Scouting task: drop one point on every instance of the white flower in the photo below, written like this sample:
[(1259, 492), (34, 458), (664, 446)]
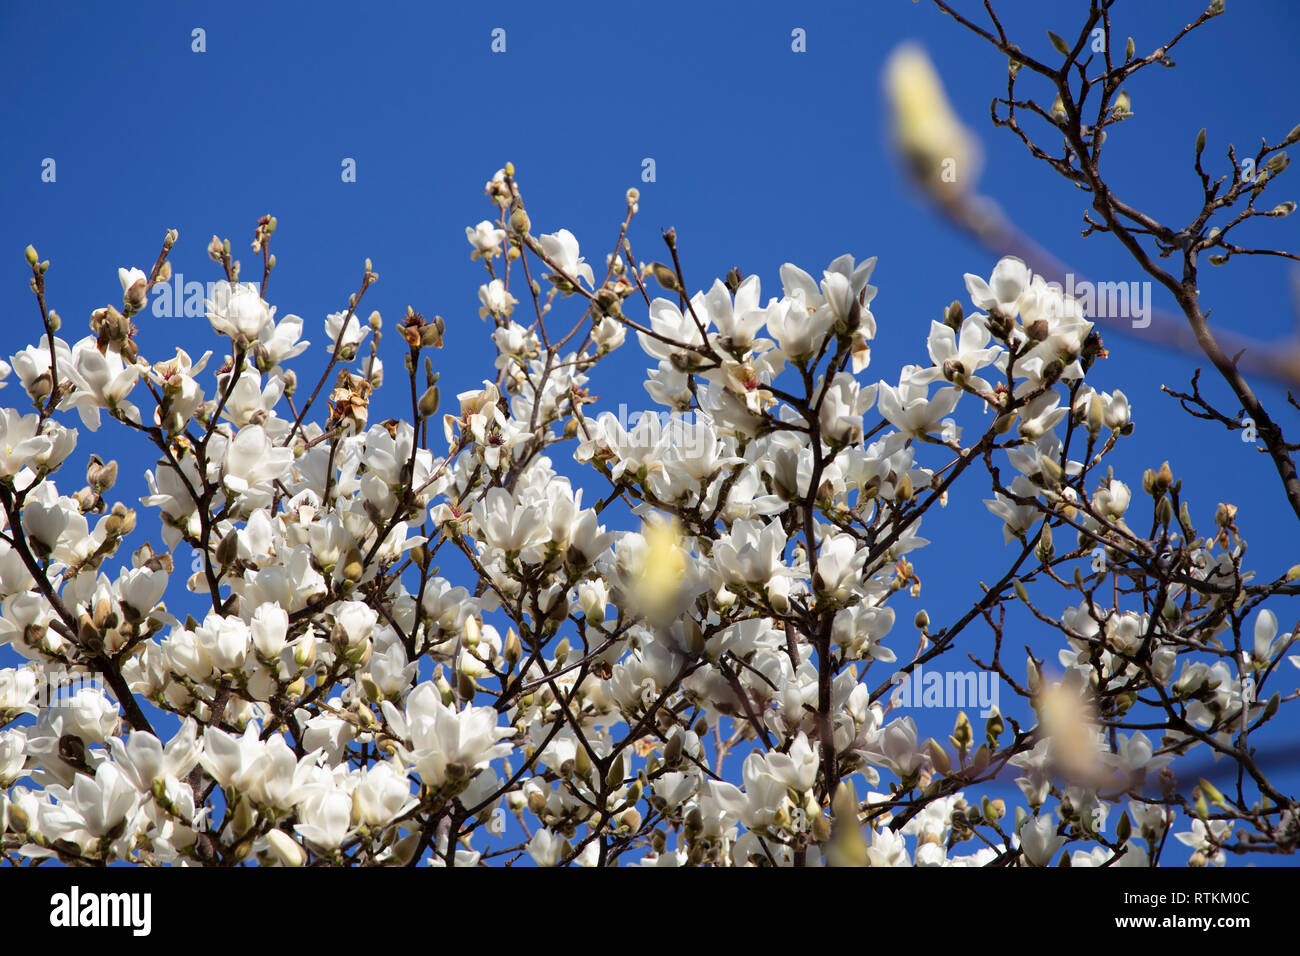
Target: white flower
[(141, 589), (20, 445), (344, 337), (446, 744), (355, 620), (839, 566), (236, 309), (106, 381), (269, 627), (17, 688), (1002, 292), (129, 277), (1112, 499), (13, 755), (1265, 630), (737, 322), (280, 341), (898, 748), (958, 360), (325, 818), (797, 767), (1039, 840), (797, 331), (1207, 839), (592, 598), (382, 795), (1134, 756), (506, 525), (90, 715), (92, 809), (1017, 518), (562, 249), (486, 240), (910, 409), (608, 334), (225, 639), (285, 850), (497, 302), (251, 459), (843, 405), (546, 848)]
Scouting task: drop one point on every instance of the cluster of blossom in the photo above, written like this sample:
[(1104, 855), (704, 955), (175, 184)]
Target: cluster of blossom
[(693, 689)]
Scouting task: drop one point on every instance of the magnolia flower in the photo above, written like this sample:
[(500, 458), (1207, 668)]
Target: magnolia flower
[(608, 334), (592, 598), (251, 458), (105, 382), (93, 808), (344, 336), (497, 302), (737, 322), (486, 240), (13, 755), (20, 445), (839, 565), (134, 282), (1207, 838), (269, 629), (842, 407), (1135, 756), (1039, 840), (1002, 292), (562, 249), (672, 324), (505, 525), (910, 409), (144, 759), (797, 767), (446, 744), (181, 393), (33, 367), (382, 794), (278, 342), (236, 309), (1112, 499), (797, 331), (956, 360), (1263, 646), (225, 639), (326, 818), (546, 848)]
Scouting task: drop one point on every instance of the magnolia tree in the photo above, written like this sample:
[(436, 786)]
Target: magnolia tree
[(691, 655)]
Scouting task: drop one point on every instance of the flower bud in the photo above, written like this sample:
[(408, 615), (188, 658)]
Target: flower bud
[(665, 276), (286, 850), (938, 756), (352, 565)]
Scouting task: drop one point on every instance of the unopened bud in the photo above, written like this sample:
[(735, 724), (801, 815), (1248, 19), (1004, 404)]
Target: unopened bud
[(665, 276), (428, 405), (352, 566)]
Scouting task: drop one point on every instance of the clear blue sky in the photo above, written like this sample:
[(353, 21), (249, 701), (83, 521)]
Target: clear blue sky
[(762, 156)]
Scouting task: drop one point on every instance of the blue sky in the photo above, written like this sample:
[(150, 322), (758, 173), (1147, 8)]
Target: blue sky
[(762, 155)]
